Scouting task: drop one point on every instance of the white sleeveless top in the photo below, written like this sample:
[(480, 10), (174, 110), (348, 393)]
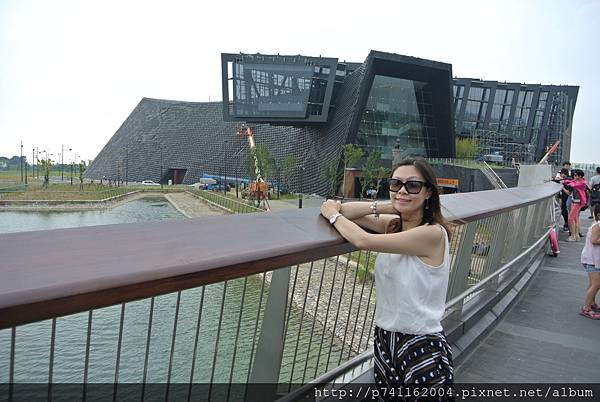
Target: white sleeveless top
[(411, 295), (590, 254)]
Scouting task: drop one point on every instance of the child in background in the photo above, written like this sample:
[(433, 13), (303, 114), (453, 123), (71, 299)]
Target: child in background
[(590, 258)]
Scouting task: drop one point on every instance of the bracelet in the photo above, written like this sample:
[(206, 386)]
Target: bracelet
[(374, 209)]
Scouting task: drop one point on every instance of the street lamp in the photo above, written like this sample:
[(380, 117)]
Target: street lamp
[(225, 168), (21, 159), (72, 166), (62, 161), (301, 186)]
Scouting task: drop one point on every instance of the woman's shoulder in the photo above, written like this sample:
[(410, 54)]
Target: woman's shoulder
[(436, 230)]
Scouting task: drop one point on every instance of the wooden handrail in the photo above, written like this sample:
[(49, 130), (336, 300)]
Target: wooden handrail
[(45, 274)]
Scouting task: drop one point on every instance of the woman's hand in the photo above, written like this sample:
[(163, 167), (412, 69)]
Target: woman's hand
[(330, 208)]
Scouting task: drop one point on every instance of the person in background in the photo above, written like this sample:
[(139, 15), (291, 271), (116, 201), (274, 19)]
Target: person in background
[(564, 195), (578, 200), (411, 277), (590, 258), (594, 188), (565, 165)]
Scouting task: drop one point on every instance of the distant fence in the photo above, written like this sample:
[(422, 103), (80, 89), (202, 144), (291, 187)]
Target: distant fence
[(230, 204)]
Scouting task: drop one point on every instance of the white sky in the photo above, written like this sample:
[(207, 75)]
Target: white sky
[(72, 71)]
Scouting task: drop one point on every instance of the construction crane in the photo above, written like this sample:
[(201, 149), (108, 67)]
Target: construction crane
[(257, 190), (552, 149)]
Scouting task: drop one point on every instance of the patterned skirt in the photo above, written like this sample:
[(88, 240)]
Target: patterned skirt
[(414, 360)]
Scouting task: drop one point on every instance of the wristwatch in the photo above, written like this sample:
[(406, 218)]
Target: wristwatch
[(334, 218)]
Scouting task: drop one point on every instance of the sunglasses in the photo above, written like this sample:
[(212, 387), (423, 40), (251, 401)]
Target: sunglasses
[(411, 186)]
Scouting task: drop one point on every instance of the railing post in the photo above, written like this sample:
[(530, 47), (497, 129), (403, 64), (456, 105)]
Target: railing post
[(541, 219), (517, 244), (535, 224), (462, 266), (497, 250), (269, 352)]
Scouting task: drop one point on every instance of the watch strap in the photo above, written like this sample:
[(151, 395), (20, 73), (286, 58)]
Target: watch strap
[(334, 218)]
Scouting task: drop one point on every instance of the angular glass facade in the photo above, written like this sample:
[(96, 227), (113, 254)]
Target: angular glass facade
[(262, 90), (523, 122), (398, 114), (278, 88)]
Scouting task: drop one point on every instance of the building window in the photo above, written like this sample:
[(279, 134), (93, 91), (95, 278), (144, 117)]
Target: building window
[(519, 130), (501, 109), (398, 114), (475, 110)]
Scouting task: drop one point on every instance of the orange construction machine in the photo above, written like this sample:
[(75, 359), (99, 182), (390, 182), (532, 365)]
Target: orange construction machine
[(257, 190)]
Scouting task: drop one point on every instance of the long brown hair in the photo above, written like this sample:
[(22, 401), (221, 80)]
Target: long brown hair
[(432, 209)]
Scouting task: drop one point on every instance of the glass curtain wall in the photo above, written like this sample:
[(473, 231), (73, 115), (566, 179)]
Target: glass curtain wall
[(558, 121), (266, 90), (459, 91), (476, 109), (538, 117), (519, 131), (501, 110), (398, 114)]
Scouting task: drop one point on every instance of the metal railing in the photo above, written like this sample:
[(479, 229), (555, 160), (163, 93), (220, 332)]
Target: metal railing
[(230, 204), (492, 176), (244, 299)]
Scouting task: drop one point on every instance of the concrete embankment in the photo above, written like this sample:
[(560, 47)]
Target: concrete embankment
[(73, 205), (192, 207)]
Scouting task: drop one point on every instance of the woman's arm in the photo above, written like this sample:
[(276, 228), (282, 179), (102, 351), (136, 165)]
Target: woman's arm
[(575, 184), (385, 223), (357, 209), (596, 235), (421, 241)]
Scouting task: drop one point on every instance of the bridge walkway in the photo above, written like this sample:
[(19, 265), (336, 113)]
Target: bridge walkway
[(542, 338)]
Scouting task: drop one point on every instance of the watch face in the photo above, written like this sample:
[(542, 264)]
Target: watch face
[(334, 218)]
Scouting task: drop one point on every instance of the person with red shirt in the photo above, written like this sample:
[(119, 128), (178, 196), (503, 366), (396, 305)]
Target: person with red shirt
[(578, 200)]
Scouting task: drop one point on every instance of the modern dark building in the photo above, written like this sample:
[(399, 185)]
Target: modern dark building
[(310, 107), (518, 121), (307, 107)]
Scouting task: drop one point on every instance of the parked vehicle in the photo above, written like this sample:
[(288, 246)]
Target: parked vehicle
[(149, 183)]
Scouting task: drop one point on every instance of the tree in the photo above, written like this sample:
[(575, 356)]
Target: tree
[(370, 170), (330, 172), (81, 170), (381, 174), (288, 166), (261, 156), (46, 165), (351, 155), (466, 148)]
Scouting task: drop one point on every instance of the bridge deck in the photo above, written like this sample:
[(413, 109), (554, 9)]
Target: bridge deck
[(542, 338)]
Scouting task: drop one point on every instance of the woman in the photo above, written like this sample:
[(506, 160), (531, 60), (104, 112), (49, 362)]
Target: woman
[(411, 276), (578, 200), (590, 258)]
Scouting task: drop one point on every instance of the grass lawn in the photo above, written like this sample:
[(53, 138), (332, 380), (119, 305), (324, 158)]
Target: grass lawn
[(58, 192)]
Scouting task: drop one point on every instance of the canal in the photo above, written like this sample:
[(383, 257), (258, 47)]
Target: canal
[(165, 351)]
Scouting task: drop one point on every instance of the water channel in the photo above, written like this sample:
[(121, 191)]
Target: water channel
[(233, 340)]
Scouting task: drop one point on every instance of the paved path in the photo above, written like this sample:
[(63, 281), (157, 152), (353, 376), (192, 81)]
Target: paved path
[(543, 338), (307, 202), (190, 206)]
